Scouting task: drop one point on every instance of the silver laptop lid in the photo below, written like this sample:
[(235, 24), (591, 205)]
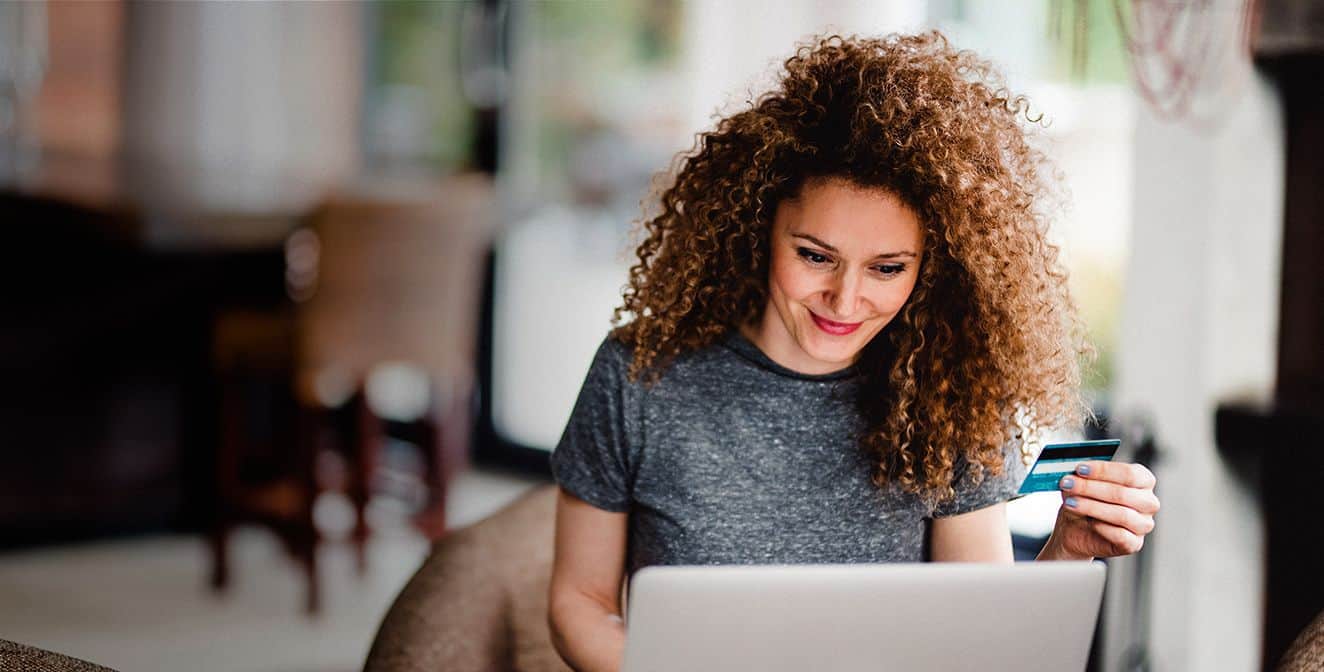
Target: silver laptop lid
[(933, 616)]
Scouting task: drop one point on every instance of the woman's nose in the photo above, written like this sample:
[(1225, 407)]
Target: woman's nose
[(844, 294)]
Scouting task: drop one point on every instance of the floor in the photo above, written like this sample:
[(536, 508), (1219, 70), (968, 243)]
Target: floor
[(143, 603)]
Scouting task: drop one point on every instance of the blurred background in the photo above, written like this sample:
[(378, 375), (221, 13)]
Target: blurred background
[(294, 289)]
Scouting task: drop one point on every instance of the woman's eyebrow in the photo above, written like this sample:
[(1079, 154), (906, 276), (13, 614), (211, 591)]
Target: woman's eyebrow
[(829, 248)]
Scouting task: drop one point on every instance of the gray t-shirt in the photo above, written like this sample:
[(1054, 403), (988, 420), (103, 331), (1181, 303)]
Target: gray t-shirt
[(731, 458)]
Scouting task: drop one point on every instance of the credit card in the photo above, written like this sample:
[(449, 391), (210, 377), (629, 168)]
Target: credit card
[(1059, 459)]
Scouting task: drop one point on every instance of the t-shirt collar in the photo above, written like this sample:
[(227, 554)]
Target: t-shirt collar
[(736, 342)]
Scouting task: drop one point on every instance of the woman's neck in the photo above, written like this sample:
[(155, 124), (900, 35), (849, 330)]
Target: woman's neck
[(770, 336)]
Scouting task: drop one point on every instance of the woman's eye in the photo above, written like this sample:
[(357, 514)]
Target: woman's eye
[(890, 269), (812, 256)]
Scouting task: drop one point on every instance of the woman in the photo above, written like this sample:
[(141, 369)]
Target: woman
[(846, 327)]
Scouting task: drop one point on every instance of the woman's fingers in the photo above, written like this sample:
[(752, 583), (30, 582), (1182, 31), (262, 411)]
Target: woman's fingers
[(1122, 539), (1142, 500), (1133, 521), (1122, 473), (1116, 500)]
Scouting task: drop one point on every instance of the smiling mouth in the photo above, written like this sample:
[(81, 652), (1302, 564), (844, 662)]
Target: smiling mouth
[(834, 328)]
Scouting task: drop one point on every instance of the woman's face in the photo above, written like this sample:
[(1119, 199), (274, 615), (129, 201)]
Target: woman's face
[(844, 261)]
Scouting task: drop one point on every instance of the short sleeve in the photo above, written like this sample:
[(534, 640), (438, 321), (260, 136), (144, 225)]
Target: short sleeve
[(591, 461), (991, 490)]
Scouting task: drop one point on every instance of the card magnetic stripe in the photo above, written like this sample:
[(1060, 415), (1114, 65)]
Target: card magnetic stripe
[(1080, 451)]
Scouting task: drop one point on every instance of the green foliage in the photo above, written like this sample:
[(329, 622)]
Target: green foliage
[(417, 45), (1088, 45)]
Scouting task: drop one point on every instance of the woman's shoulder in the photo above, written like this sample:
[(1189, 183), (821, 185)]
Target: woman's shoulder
[(613, 361), (614, 351), (617, 354)]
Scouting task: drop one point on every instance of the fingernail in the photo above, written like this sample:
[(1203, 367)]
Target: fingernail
[(1068, 483), (1071, 502), (1083, 469)]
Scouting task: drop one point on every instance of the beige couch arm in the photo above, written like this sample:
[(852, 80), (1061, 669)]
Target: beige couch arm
[(479, 602)]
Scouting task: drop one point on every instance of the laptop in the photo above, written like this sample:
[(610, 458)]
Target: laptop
[(925, 616)]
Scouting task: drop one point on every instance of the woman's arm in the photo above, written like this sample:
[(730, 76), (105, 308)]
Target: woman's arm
[(981, 535), (584, 609)]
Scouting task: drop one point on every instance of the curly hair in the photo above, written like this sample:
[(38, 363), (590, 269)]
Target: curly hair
[(987, 349)]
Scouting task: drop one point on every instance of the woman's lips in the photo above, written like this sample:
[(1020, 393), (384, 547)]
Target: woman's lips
[(834, 328)]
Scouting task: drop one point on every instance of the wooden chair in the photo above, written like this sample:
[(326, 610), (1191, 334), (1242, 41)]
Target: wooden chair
[(398, 280), (381, 275), (266, 467)]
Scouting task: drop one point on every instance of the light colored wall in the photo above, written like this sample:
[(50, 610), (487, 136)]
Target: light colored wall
[(1199, 327), (240, 107), (732, 47)]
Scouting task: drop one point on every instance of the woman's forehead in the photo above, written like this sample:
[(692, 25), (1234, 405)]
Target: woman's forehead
[(851, 218)]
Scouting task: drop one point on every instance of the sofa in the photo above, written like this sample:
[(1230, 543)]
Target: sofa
[(479, 602), (15, 657)]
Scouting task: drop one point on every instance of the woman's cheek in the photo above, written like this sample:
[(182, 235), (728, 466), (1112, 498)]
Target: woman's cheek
[(795, 283), (906, 288)]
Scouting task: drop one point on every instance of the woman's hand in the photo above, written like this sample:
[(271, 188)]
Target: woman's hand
[(1107, 509)]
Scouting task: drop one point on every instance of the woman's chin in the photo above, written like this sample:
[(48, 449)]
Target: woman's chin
[(837, 352)]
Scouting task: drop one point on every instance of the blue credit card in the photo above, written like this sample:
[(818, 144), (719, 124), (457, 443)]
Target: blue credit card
[(1059, 459)]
